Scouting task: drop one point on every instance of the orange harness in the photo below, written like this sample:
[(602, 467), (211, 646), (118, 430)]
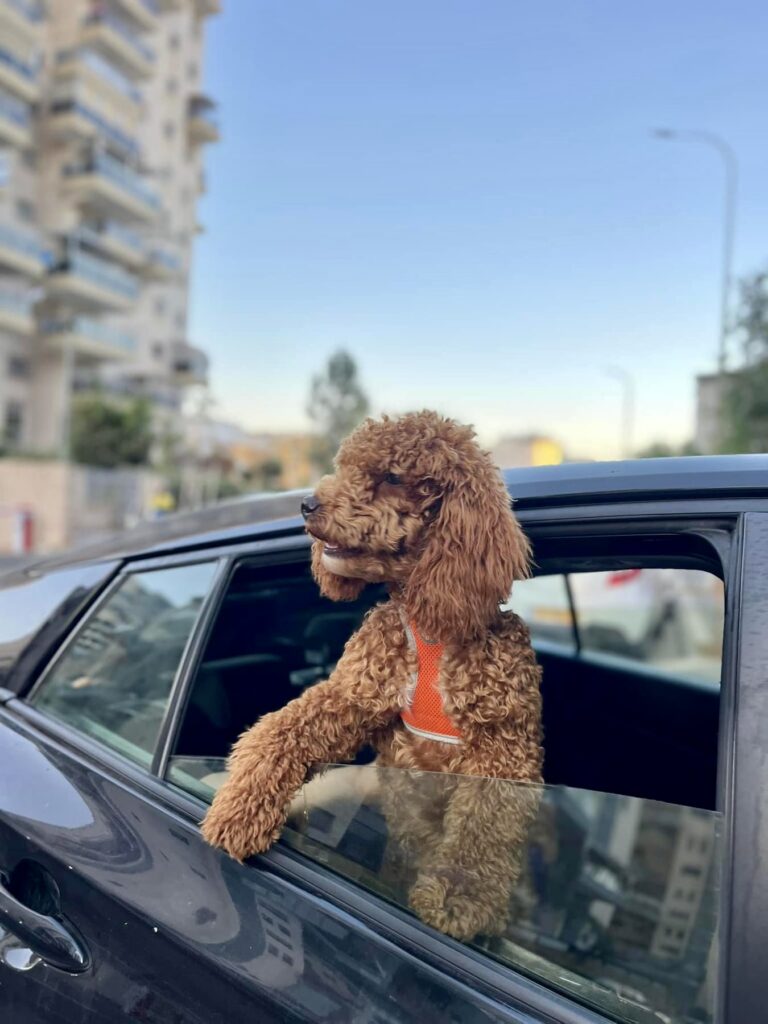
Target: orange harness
[(423, 713)]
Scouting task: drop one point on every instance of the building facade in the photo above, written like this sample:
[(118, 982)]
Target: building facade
[(102, 131), (527, 450)]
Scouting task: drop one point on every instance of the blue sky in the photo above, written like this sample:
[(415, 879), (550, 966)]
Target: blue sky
[(466, 196)]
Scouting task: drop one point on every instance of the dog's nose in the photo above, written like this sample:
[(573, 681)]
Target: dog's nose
[(309, 505)]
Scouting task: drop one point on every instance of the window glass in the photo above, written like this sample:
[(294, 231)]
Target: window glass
[(29, 603), (18, 367), (670, 620), (542, 602), (14, 421), (613, 899), (113, 682)]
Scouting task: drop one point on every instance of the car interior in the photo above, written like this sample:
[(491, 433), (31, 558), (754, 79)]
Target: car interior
[(611, 724)]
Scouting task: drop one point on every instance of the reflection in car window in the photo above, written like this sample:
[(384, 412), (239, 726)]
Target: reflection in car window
[(670, 620), (114, 680), (615, 899), (615, 902), (27, 607)]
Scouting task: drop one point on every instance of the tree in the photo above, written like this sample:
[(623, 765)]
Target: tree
[(745, 399), (665, 450), (268, 474), (337, 403), (108, 434)]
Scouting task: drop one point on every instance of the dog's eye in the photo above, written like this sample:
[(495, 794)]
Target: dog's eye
[(392, 478)]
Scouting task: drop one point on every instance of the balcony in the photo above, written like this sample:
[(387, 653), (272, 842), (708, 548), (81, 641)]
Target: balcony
[(89, 338), (204, 8), (161, 265), (116, 241), (202, 122), (144, 13), (119, 42), (22, 252), (16, 312), (85, 63), (189, 364), (18, 75), (87, 281), (91, 99), (112, 189), (71, 120), (21, 20), (15, 121)]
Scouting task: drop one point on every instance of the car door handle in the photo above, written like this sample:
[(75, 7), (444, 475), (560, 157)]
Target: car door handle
[(55, 943)]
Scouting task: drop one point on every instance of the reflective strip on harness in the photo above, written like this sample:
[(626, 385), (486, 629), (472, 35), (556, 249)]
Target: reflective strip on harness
[(439, 736)]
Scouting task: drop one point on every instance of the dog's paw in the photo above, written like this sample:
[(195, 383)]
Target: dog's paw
[(241, 835), (456, 906)]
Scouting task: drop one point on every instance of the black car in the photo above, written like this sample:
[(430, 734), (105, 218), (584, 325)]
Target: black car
[(127, 671)]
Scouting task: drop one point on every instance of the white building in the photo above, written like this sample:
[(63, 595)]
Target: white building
[(102, 126)]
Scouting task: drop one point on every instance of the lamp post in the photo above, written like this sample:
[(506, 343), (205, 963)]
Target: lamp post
[(627, 381), (731, 168)]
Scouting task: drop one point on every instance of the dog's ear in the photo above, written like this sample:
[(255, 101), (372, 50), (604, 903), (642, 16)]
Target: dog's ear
[(475, 549), (337, 588)]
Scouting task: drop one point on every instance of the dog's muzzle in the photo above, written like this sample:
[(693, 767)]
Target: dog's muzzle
[(310, 505)]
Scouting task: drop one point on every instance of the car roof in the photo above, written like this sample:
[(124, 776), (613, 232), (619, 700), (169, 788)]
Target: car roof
[(567, 484)]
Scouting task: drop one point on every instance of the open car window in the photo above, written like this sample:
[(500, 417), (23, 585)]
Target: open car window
[(615, 903)]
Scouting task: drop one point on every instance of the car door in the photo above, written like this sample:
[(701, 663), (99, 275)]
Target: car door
[(620, 909), (111, 905)]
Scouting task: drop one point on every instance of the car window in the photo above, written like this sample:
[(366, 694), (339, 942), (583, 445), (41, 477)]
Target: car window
[(669, 620), (114, 679), (273, 636)]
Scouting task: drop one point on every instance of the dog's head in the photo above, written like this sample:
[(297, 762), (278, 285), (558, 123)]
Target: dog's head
[(416, 503)]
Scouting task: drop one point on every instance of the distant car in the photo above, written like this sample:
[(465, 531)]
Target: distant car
[(128, 669)]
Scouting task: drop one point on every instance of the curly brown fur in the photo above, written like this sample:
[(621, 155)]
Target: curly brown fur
[(416, 504)]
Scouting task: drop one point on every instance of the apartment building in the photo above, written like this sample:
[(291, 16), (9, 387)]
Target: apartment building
[(103, 125)]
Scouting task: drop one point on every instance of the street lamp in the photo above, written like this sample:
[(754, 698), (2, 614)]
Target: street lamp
[(731, 167), (627, 381)]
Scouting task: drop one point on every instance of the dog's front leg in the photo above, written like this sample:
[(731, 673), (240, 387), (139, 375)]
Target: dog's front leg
[(329, 722), (465, 887)]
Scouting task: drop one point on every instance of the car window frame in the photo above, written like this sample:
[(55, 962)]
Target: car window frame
[(721, 524)]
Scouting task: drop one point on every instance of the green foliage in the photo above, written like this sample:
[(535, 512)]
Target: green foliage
[(745, 401), (664, 450), (108, 434), (337, 404), (230, 489), (268, 474)]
